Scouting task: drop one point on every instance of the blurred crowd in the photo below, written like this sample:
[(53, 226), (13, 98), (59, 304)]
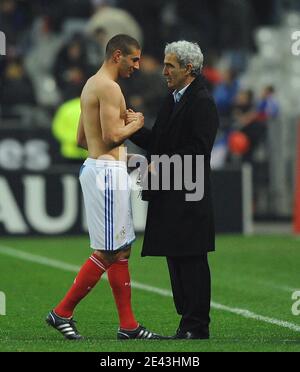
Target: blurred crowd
[(53, 47)]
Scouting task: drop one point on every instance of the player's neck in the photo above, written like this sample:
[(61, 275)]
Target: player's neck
[(109, 70)]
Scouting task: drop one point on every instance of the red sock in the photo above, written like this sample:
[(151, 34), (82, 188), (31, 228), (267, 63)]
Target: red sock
[(86, 279), (119, 280)]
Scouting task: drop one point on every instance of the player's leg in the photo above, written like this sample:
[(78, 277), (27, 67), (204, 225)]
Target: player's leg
[(122, 225), (88, 276), (119, 280), (61, 317), (95, 266), (92, 270), (120, 235)]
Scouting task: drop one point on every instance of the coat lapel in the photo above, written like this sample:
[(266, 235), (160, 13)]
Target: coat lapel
[(178, 107), (168, 112), (191, 91)]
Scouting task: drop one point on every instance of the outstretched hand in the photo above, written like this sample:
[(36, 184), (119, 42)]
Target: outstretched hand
[(133, 116)]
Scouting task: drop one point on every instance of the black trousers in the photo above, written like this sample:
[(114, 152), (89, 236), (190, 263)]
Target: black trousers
[(191, 287)]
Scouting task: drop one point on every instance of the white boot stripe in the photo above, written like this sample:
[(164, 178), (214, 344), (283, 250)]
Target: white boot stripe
[(64, 326), (124, 334), (67, 330), (52, 318), (70, 333)]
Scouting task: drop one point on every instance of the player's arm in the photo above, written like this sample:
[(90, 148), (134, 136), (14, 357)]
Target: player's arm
[(81, 139), (114, 130)]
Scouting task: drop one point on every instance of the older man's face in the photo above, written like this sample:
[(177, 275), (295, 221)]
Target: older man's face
[(175, 75)]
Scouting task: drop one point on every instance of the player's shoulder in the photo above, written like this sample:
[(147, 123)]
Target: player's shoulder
[(102, 83), (103, 88), (109, 91), (109, 87)]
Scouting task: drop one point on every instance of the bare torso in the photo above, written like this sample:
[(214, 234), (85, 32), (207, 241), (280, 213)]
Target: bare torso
[(90, 111)]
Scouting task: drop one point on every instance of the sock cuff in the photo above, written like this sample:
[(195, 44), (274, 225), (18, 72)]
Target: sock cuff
[(123, 262), (97, 261)]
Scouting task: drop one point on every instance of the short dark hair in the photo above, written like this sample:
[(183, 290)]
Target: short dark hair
[(123, 42)]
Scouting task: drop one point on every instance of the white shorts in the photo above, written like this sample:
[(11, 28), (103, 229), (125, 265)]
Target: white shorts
[(106, 191)]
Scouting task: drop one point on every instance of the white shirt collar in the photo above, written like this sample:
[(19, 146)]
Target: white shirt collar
[(178, 94)]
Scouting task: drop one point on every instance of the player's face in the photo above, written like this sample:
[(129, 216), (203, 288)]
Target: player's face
[(175, 75), (130, 63)]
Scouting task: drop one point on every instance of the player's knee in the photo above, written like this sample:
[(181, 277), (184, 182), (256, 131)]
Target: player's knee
[(124, 255), (107, 258), (111, 258)]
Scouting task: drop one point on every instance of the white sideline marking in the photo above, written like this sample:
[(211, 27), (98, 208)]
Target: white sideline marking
[(288, 289), (163, 292), (284, 288)]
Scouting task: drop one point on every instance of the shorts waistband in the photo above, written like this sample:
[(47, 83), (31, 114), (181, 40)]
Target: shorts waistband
[(105, 163)]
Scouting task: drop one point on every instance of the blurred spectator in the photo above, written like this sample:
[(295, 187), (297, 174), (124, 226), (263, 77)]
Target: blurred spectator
[(148, 14), (44, 43), (76, 8), (255, 123), (71, 69), (60, 11), (268, 105), (243, 108), (64, 129), (198, 21), (212, 75), (95, 46), (224, 95), (17, 88), (235, 30), (14, 19), (113, 21)]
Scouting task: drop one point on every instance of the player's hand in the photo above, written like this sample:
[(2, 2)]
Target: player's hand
[(132, 116), (140, 119)]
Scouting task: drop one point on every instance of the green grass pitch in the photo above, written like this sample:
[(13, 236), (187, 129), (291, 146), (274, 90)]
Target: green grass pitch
[(253, 279)]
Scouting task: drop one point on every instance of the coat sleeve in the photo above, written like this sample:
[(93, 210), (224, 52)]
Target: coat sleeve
[(142, 138), (202, 125)]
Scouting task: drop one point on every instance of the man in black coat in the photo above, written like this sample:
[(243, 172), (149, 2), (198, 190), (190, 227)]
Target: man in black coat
[(179, 224)]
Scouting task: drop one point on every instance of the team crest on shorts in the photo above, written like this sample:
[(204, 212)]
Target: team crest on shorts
[(122, 234)]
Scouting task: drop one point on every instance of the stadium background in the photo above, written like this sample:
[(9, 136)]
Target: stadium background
[(51, 49)]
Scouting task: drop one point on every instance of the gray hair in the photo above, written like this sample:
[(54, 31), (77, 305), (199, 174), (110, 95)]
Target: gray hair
[(187, 52)]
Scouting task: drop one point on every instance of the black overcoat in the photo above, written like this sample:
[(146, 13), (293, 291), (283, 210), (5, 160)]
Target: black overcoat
[(177, 227)]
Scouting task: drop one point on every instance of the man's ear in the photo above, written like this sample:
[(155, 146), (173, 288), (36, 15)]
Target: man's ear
[(189, 68), (117, 56)]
